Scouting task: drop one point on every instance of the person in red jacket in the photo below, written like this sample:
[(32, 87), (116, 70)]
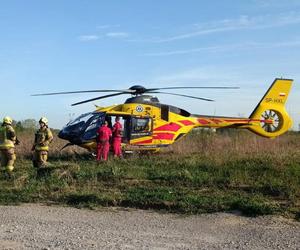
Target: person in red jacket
[(117, 137), (103, 136)]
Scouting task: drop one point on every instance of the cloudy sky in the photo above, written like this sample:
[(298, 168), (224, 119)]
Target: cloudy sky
[(63, 45)]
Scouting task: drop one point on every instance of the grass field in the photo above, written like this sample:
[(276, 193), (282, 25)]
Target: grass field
[(201, 173)]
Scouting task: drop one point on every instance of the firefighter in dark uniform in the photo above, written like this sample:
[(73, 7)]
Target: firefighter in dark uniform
[(43, 137)]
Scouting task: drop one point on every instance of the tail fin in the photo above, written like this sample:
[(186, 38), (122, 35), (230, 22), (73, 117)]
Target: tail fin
[(270, 116)]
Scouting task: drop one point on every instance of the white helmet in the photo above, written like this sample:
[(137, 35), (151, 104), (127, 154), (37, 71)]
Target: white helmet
[(7, 120), (43, 120)]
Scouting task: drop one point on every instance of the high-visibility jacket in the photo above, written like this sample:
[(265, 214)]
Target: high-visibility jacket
[(43, 137), (7, 137)]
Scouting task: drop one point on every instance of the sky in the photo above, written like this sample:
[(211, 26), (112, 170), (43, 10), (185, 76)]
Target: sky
[(69, 45)]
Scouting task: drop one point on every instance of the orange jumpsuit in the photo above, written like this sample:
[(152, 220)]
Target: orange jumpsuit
[(103, 135), (117, 139)]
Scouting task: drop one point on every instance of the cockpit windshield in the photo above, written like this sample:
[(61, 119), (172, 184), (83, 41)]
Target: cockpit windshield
[(82, 118), (83, 128)]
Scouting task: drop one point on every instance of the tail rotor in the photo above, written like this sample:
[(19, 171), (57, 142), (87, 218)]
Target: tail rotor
[(271, 121)]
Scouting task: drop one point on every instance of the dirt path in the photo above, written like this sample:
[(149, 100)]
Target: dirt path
[(49, 227)]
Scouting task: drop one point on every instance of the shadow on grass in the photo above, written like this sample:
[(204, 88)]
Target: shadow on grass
[(297, 216), (87, 200), (171, 200), (63, 156)]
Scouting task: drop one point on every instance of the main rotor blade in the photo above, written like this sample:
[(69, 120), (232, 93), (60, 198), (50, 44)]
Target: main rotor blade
[(127, 91), (98, 98), (188, 96), (203, 87)]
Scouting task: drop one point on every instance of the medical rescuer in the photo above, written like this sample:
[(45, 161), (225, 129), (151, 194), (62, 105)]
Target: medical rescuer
[(43, 137), (8, 140), (103, 137), (117, 137)]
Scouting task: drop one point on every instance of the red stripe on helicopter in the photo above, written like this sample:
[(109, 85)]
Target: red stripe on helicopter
[(144, 142), (245, 120), (238, 120), (267, 121), (169, 127), (187, 122), (163, 136), (202, 121), (258, 120), (217, 121)]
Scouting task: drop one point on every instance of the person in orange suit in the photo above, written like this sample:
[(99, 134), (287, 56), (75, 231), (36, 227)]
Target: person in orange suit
[(117, 137), (103, 135)]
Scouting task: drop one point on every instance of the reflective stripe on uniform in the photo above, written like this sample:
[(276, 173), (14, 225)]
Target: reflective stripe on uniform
[(43, 138), (5, 142)]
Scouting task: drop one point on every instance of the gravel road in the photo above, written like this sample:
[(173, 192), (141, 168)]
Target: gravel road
[(36, 226)]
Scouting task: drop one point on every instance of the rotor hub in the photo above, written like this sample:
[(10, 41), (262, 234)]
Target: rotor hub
[(139, 90)]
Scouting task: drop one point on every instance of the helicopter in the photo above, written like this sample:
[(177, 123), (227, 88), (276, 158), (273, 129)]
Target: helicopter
[(150, 125)]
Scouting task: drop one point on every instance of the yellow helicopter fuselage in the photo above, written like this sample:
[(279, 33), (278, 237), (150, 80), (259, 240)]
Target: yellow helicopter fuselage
[(150, 125)]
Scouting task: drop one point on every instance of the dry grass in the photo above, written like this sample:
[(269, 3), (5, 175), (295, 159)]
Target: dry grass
[(201, 173), (27, 138), (217, 146), (237, 145)]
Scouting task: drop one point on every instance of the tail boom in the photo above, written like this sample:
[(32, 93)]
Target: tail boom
[(226, 122), (269, 118)]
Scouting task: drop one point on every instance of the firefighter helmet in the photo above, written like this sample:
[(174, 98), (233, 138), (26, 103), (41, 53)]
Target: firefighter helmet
[(43, 120), (7, 120)]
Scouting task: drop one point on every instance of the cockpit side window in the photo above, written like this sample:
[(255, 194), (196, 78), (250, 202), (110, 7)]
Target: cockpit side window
[(140, 124), (92, 125), (140, 127)]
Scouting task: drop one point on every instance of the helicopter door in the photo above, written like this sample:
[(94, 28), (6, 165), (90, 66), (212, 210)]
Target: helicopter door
[(139, 127)]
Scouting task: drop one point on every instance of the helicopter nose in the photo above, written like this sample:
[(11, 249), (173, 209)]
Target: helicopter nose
[(63, 135), (69, 134)]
